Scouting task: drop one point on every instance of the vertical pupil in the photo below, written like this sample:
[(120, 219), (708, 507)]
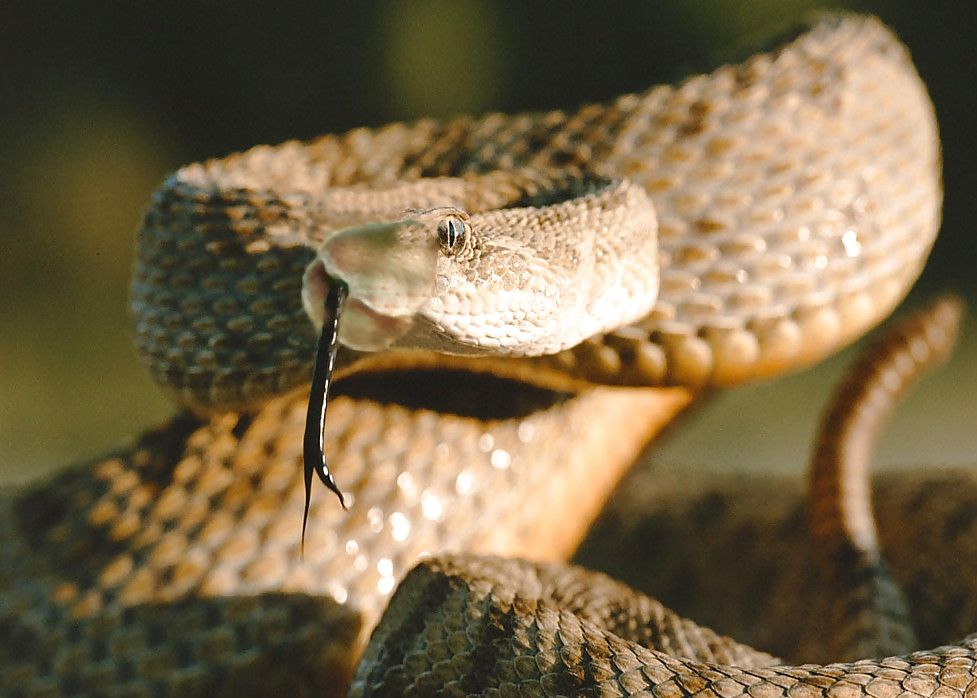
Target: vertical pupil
[(449, 233)]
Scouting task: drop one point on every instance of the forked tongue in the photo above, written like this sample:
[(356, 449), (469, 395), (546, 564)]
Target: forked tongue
[(387, 271), (313, 451)]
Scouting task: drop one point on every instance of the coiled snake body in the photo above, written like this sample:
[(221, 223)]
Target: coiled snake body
[(743, 223)]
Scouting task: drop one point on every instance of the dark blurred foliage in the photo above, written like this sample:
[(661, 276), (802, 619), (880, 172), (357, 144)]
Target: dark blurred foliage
[(101, 99)]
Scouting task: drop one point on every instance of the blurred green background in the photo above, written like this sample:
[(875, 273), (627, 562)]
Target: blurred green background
[(100, 100)]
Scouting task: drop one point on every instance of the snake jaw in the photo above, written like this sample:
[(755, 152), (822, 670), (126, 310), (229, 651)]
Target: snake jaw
[(363, 328)]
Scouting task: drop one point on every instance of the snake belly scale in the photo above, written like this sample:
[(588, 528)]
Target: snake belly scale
[(794, 199)]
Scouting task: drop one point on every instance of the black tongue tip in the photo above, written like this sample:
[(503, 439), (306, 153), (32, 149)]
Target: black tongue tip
[(326, 477)]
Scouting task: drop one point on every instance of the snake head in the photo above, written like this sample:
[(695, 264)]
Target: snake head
[(523, 281)]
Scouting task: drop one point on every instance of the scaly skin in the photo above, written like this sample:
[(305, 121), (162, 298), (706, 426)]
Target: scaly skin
[(173, 567), (474, 626)]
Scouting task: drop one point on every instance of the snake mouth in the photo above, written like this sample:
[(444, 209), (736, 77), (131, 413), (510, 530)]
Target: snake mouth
[(389, 272), (363, 328)]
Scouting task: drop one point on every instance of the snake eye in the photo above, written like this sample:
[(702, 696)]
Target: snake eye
[(452, 234)]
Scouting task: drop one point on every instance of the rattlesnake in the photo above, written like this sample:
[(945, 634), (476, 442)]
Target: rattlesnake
[(795, 198)]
